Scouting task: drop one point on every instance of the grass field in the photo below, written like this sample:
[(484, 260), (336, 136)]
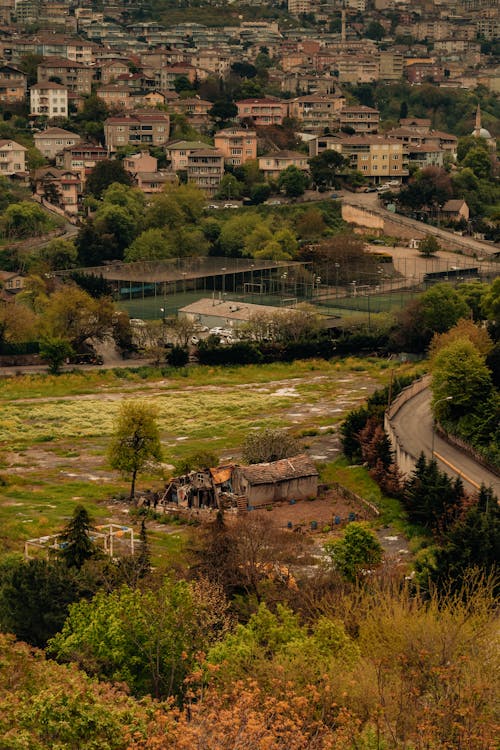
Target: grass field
[(54, 431)]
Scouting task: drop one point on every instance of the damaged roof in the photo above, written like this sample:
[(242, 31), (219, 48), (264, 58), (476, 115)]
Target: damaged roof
[(296, 467)]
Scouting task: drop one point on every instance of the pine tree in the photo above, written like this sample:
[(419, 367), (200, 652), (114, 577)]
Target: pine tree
[(77, 545)]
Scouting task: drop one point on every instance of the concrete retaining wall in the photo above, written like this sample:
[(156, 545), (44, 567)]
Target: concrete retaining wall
[(405, 461)]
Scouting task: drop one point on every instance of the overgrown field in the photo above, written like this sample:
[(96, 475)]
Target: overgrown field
[(54, 431)]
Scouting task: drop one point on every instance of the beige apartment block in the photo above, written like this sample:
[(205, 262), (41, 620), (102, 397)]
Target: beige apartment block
[(178, 153), (139, 128), (315, 112), (12, 84), (205, 169), (272, 165), (75, 76), (262, 112), (12, 157), (362, 119), (53, 140), (238, 145)]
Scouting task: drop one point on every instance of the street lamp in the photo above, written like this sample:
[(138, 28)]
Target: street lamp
[(337, 266), (440, 401), (162, 310)]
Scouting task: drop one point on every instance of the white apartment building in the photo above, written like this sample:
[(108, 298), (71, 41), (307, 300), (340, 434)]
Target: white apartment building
[(48, 100)]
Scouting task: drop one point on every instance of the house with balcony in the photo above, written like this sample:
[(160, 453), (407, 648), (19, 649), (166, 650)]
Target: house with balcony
[(81, 158), (262, 112), (61, 188), (178, 153), (75, 76), (139, 128), (315, 113), (12, 157), (238, 145), (205, 169), (12, 85), (272, 165), (376, 157), (363, 120), (48, 100), (53, 140)]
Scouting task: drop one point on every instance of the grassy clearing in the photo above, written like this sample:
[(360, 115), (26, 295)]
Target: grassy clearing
[(357, 479), (54, 431)]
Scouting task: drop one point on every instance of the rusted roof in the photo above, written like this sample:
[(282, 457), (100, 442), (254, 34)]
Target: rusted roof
[(222, 474), (296, 467)]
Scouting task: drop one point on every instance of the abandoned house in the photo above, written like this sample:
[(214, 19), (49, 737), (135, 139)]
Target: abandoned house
[(288, 479), (244, 487)]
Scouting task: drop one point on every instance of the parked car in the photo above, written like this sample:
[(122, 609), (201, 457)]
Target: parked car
[(231, 205), (194, 340), (212, 206), (334, 196), (370, 189), (273, 202)]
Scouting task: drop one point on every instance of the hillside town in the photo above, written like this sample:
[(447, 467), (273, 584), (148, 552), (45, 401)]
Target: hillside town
[(249, 374), (194, 102)]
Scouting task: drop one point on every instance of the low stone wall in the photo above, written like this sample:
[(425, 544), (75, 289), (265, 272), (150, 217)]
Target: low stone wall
[(405, 461), (466, 448)]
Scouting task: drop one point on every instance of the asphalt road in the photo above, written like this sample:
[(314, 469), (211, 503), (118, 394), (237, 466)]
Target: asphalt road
[(413, 424)]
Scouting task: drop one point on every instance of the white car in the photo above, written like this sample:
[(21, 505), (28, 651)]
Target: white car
[(213, 206), (231, 205)]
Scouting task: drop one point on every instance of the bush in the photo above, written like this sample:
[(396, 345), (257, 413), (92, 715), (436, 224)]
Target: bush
[(178, 356)]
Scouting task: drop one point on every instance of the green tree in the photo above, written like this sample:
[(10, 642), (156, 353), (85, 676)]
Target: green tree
[(34, 598), (149, 245), (375, 30), (55, 351), (357, 551), (24, 219), (135, 442), (58, 254), (429, 246), (269, 445), (118, 225), (325, 167), (104, 174), (223, 111), (76, 545), (229, 187), (72, 314), (479, 161), (148, 639), (293, 181), (459, 372)]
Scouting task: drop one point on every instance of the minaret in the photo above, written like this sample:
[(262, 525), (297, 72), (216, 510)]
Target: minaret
[(343, 36), (477, 129)]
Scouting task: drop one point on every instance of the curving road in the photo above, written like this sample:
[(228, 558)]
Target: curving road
[(413, 424)]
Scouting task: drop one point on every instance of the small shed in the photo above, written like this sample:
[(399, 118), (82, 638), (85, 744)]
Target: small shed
[(454, 210), (293, 478)]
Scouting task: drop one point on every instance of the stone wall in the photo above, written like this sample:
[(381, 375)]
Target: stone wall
[(405, 461)]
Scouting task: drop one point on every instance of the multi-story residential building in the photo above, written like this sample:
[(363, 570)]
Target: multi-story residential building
[(356, 68), (298, 7), (360, 118), (7, 12), (53, 140), (170, 73), (272, 165), (422, 156), (48, 100), (391, 65), (147, 128), (12, 157), (141, 162), (237, 145), (315, 113), (205, 169), (59, 187), (375, 156), (214, 61), (81, 158), (75, 76), (110, 70), (195, 109), (411, 136), (424, 70), (262, 112), (12, 85), (302, 81), (115, 96), (178, 153)]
